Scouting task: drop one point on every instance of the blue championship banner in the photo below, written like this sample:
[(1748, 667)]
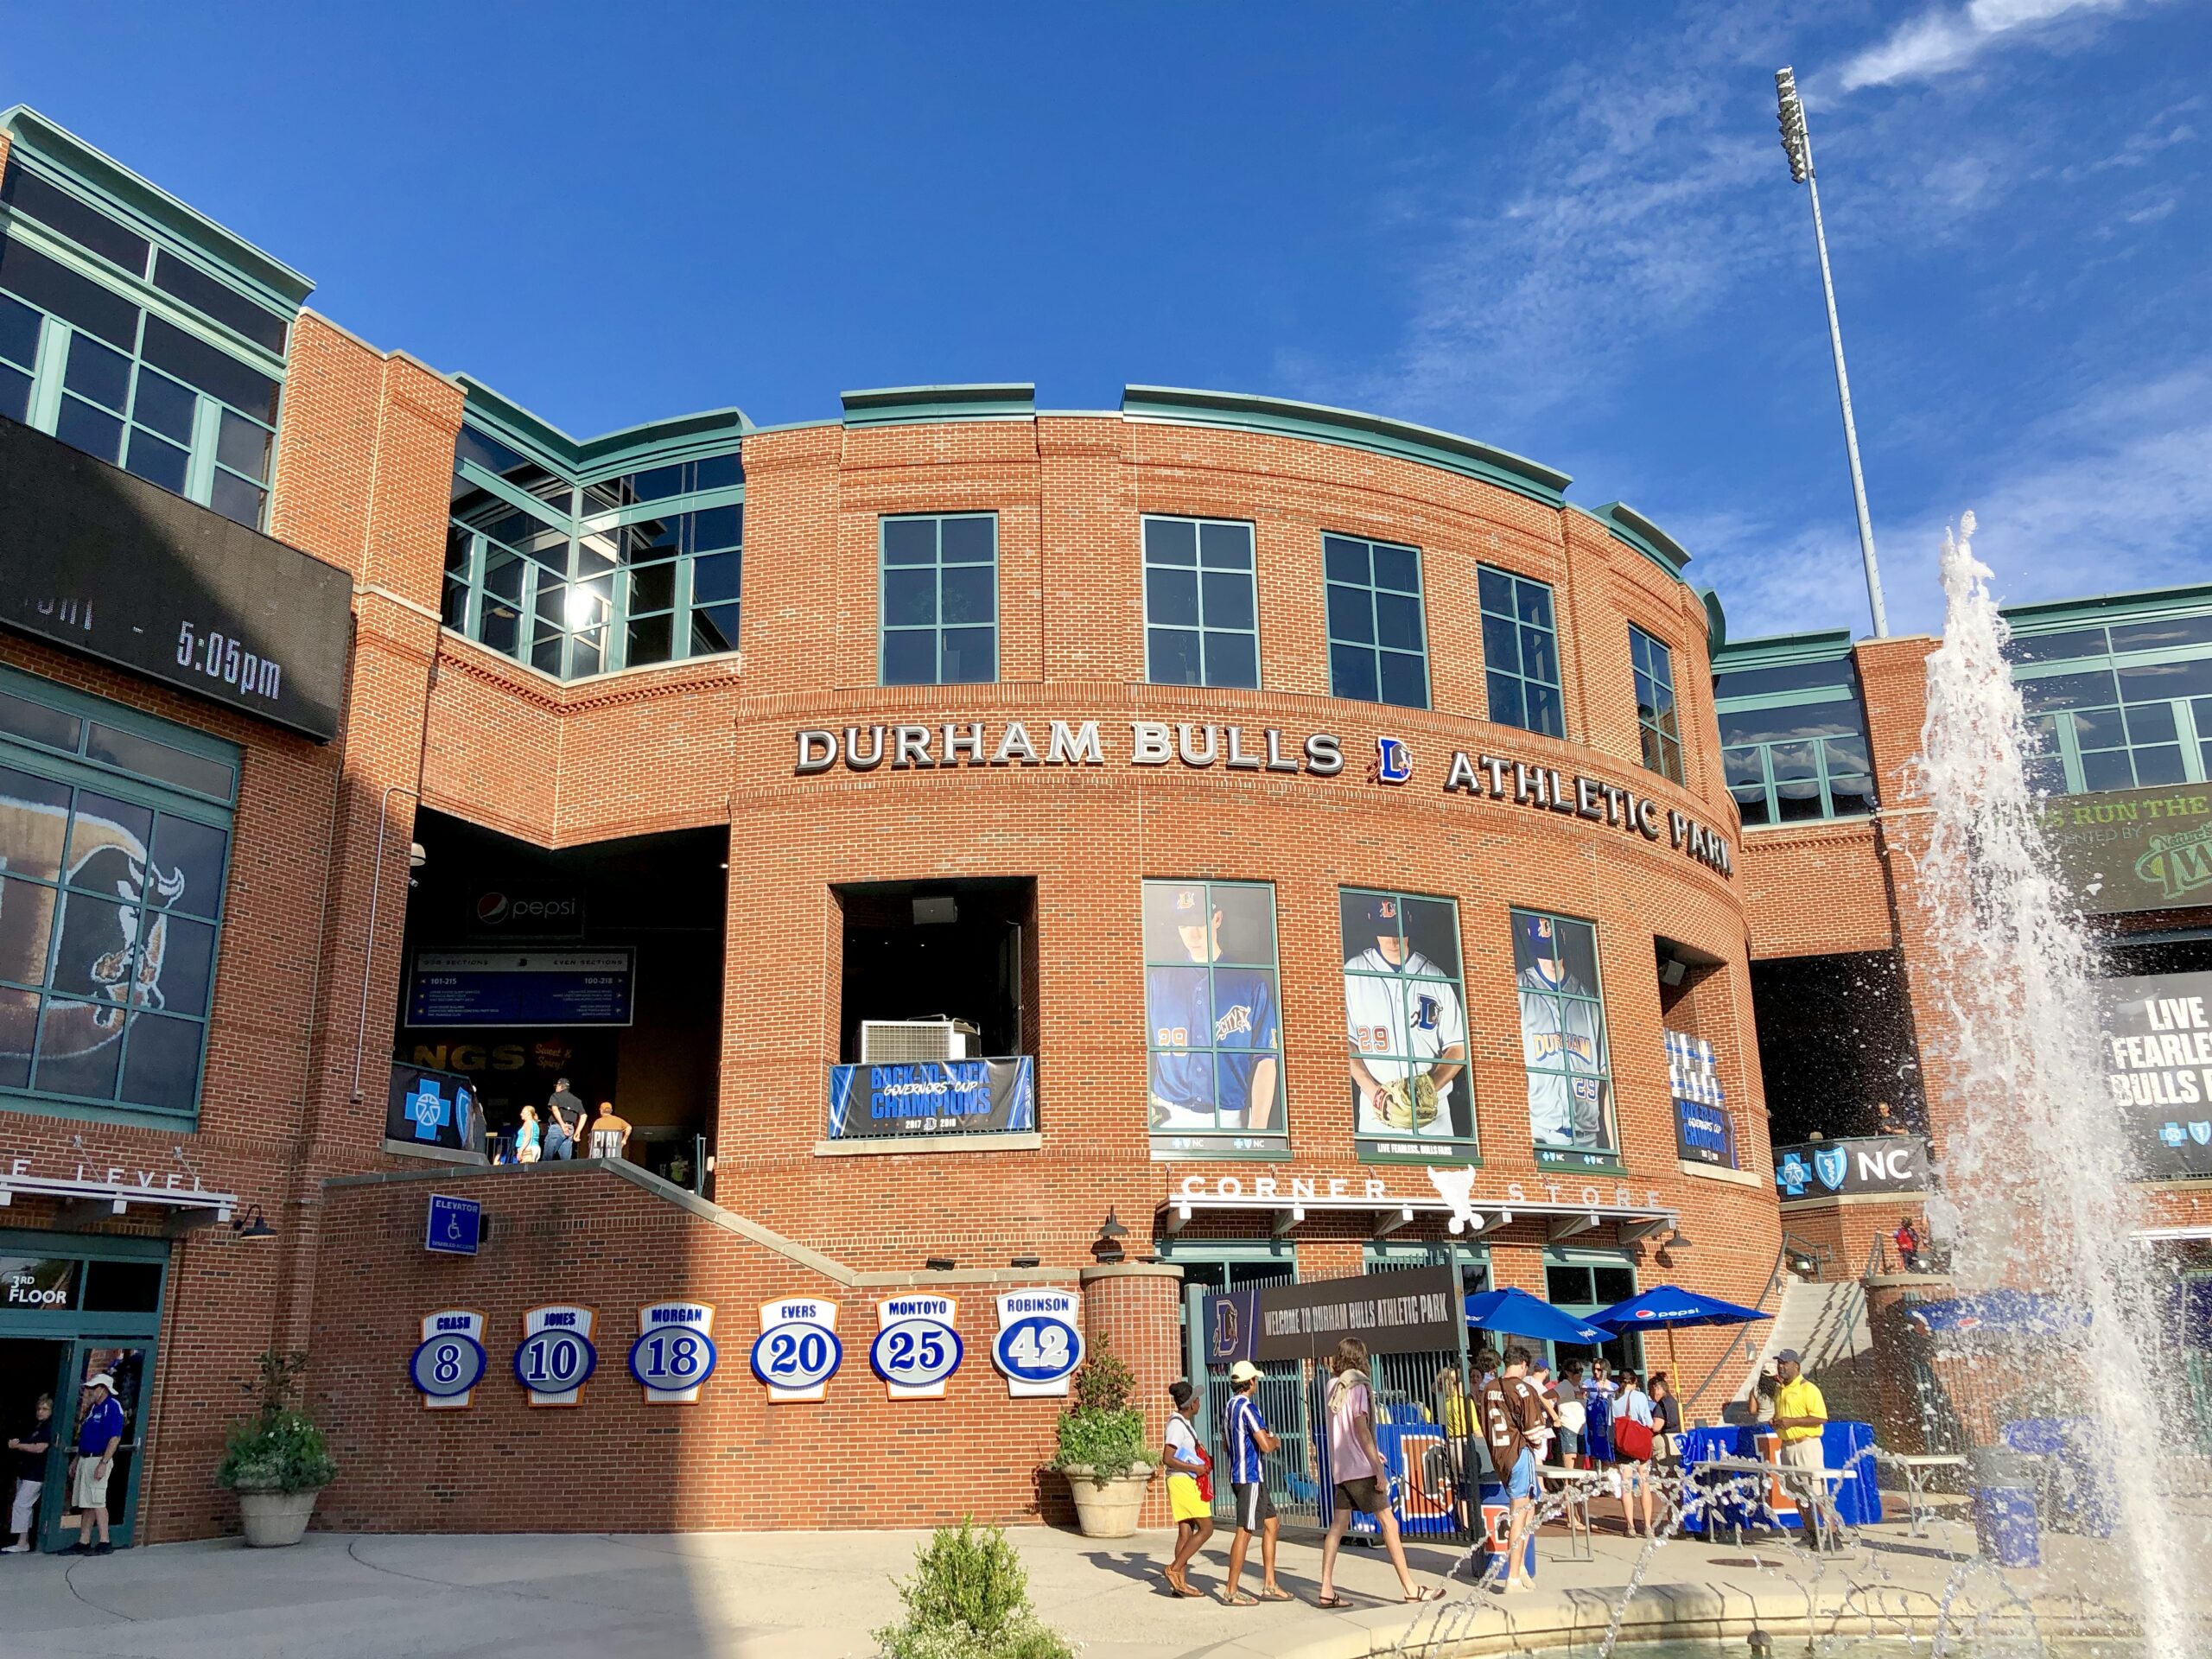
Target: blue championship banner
[(933, 1097), (1703, 1133)]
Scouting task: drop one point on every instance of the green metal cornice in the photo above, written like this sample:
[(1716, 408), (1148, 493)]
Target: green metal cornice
[(56, 150), (1377, 433), (1631, 527), (906, 405), (1782, 649), (2111, 608), (652, 443)]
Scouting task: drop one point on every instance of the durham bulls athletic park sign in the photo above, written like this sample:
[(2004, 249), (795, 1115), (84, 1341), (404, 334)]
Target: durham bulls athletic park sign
[(1234, 748)]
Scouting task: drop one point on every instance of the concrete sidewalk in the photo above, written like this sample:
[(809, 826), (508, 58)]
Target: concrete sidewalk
[(794, 1595)]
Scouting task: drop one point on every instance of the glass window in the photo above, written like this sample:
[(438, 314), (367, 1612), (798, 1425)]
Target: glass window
[(111, 913), (1201, 609), (1563, 1039), (1378, 649), (1213, 1025), (83, 223), (1521, 652), (1651, 666), (940, 599), (61, 292), (2102, 726), (1406, 1024), (211, 298), (1798, 760)]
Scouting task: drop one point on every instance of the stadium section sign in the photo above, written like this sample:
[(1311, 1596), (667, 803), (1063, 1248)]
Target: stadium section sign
[(2158, 1039)]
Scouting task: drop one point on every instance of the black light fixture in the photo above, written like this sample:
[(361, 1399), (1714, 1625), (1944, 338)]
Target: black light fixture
[(940, 1264), (1677, 1240), (1106, 1250), (1023, 1262), (252, 1225)]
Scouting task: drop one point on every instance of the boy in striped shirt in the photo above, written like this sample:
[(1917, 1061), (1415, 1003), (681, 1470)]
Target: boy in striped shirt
[(1248, 1439)]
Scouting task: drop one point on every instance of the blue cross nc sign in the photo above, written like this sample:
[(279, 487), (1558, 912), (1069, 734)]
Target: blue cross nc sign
[(454, 1226)]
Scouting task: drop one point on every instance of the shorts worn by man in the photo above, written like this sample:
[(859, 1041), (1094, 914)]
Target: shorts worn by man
[(1249, 1441), (1513, 1425)]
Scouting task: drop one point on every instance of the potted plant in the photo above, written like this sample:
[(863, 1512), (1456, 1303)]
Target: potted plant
[(1101, 1447), (276, 1461)]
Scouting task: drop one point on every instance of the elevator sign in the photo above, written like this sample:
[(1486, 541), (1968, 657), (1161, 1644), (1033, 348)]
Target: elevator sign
[(454, 1227)]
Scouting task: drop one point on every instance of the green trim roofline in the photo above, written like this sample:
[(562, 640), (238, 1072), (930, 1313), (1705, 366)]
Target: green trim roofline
[(657, 443), (133, 198), (1783, 651), (1629, 525), (909, 405), (2106, 608), (1377, 434)]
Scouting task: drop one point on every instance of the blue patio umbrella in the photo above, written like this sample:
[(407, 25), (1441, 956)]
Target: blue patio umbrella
[(1670, 1305), (1516, 1314), (1998, 1313)]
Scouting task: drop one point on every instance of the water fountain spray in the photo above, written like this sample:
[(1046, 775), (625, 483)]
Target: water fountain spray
[(2032, 1162)]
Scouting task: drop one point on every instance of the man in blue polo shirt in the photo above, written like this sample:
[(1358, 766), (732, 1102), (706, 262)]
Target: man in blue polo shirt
[(1250, 1440), (97, 1435)]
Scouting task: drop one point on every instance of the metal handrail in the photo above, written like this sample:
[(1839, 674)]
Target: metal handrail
[(1790, 1246)]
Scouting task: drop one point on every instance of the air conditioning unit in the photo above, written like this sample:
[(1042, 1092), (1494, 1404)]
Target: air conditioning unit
[(908, 1042)]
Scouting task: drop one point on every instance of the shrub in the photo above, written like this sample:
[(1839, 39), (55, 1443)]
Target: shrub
[(969, 1598), (1103, 1431), (278, 1449)]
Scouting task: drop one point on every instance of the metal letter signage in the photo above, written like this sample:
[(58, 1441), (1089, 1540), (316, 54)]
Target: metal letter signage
[(916, 1348), (1038, 1345), (673, 1354), (453, 1225), (797, 1351), (821, 751), (450, 1362), (556, 1358)]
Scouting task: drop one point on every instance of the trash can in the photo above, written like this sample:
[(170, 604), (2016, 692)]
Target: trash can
[(1496, 1517), (2002, 1487)]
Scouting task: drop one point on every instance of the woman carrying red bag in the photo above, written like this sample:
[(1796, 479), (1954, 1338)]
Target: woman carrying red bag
[(1189, 1487)]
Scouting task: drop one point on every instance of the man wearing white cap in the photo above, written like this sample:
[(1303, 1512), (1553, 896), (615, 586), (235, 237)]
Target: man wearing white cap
[(1250, 1440), (97, 1435)]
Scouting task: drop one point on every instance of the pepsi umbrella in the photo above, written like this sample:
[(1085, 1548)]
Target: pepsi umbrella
[(1998, 1313), (1516, 1314), (1670, 1305)]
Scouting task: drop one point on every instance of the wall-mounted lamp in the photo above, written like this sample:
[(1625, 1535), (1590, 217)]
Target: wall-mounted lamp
[(940, 1264), (1106, 1250), (1023, 1262), (253, 1224)]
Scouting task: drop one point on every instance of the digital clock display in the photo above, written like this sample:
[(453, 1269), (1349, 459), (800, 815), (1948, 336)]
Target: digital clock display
[(95, 560)]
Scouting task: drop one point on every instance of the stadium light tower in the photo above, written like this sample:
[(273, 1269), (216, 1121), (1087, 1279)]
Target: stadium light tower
[(1798, 143)]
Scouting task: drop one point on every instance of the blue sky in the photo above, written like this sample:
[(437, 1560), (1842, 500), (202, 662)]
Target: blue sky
[(1566, 229)]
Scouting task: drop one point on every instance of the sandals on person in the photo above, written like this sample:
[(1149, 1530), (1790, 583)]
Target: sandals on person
[(1241, 1599), (1277, 1594), (1427, 1593), (1331, 1602)]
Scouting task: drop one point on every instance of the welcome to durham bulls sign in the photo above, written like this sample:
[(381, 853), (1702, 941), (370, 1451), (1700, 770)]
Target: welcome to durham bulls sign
[(1198, 747)]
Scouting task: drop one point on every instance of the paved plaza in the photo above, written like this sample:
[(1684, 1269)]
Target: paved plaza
[(817, 1595)]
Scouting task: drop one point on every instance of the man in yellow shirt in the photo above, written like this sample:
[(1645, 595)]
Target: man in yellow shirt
[(1800, 1413)]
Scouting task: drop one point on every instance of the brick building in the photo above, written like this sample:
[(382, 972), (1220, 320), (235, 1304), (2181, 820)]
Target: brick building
[(939, 829)]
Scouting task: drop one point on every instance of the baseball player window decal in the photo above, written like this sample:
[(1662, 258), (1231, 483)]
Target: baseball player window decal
[(1214, 1027), (1563, 1039), (110, 912), (1406, 1025)]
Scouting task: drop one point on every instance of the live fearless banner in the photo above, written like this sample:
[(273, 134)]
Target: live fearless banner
[(932, 1097), (2158, 1048)]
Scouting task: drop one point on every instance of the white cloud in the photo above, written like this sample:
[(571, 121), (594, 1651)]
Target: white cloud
[(2110, 494), (1938, 42)]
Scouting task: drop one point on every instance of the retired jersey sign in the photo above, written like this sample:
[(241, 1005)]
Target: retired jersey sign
[(916, 1347), (449, 1363), (1038, 1345), (674, 1354), (555, 1357), (797, 1351)]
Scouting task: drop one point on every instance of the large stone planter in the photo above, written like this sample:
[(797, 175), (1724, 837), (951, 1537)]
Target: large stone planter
[(1111, 1510), (275, 1519)]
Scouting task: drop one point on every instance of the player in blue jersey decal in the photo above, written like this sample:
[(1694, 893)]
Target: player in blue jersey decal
[(1214, 1031), (1562, 1031)]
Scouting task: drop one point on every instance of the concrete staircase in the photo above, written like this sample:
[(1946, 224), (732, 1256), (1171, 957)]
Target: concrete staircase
[(1826, 1322)]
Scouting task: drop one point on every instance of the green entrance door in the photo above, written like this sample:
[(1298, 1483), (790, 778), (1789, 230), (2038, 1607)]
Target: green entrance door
[(73, 1307), (129, 1364)]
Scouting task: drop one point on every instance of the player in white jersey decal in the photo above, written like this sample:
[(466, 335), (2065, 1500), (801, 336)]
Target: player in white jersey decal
[(1562, 1031), (1406, 1029)]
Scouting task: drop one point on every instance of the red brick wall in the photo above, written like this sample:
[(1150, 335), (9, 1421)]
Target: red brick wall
[(577, 1233)]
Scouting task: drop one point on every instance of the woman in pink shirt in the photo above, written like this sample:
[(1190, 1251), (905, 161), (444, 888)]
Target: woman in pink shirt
[(1356, 1466)]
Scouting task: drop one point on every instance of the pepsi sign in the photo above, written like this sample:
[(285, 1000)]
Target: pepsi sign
[(527, 912)]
